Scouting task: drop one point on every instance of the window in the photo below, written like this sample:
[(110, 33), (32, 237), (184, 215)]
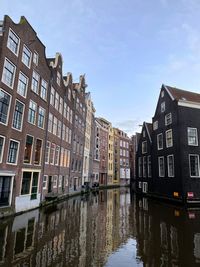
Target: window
[(13, 152), (55, 179), (50, 123), (56, 100), (5, 100), (162, 93), (52, 96), (162, 107), (169, 138), (168, 119), (61, 105), (13, 42), (2, 142), (140, 167), (22, 84), (30, 184), (144, 166), (18, 115), (8, 74), (160, 141), (44, 182), (155, 125), (28, 149), (43, 92), (69, 94), (47, 152), (52, 153), (35, 58), (170, 165), (26, 56), (58, 79), (38, 148), (194, 165), (32, 112), (144, 147), (161, 166), (41, 117), (59, 129), (35, 82), (149, 166), (55, 122), (57, 155), (60, 181), (192, 136)]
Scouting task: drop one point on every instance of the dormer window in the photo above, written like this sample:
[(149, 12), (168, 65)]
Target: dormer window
[(162, 107)]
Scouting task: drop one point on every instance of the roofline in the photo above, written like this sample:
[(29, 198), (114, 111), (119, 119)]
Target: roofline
[(148, 131), (165, 87)]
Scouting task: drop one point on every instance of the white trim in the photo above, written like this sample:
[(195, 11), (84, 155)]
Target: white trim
[(143, 146), (26, 84), (144, 187), (32, 171), (167, 144), (8, 115), (163, 166), (168, 165), (159, 148), (45, 181), (19, 130), (170, 115), (47, 162), (2, 77), (13, 32), (10, 163), (168, 92), (189, 104), (148, 132), (12, 175), (1, 156), (39, 107), (190, 166), (30, 56), (196, 136), (35, 112)]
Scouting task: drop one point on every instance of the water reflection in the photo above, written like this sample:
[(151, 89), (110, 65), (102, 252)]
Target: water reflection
[(102, 230)]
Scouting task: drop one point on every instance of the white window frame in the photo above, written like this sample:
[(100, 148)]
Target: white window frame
[(49, 147), (168, 144), (191, 128), (55, 181), (22, 115), (149, 168), (27, 79), (33, 123), (168, 119), (13, 74), (144, 187), (43, 89), (144, 145), (28, 66), (10, 163), (139, 184), (44, 181), (144, 165), (162, 107), (168, 170), (8, 114), (159, 170), (18, 45), (1, 156), (60, 181), (158, 145), (41, 108), (31, 157), (196, 176), (155, 125), (35, 77), (35, 58)]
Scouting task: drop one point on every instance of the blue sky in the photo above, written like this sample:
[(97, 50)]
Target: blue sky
[(126, 48)]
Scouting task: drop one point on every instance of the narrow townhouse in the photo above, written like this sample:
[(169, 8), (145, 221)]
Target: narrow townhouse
[(86, 178), (24, 76), (78, 141), (110, 155), (175, 146), (143, 159), (59, 133), (96, 158)]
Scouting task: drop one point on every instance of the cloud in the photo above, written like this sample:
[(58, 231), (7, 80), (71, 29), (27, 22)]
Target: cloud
[(129, 126)]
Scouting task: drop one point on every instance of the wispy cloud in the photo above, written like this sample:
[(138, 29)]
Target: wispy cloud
[(129, 126)]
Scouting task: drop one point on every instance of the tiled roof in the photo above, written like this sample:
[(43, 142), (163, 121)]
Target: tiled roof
[(180, 94)]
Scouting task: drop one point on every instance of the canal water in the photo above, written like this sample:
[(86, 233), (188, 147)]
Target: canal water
[(112, 229)]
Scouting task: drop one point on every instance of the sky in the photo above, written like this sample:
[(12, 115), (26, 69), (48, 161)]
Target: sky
[(126, 48)]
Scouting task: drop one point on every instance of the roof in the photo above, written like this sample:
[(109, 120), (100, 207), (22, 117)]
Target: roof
[(150, 127), (180, 94)]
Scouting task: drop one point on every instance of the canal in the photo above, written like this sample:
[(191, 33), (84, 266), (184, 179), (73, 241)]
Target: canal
[(109, 229)]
